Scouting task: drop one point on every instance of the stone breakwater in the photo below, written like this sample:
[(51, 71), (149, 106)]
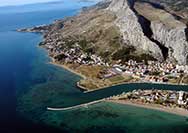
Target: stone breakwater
[(76, 106)]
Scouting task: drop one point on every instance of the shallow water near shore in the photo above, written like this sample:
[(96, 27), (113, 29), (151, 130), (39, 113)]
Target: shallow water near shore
[(29, 84), (108, 117)]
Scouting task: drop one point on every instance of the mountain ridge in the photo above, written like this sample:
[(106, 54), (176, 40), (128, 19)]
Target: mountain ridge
[(166, 31), (130, 29)]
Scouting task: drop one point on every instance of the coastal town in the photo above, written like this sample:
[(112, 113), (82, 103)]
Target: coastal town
[(100, 66), (70, 51), (153, 71), (166, 98)]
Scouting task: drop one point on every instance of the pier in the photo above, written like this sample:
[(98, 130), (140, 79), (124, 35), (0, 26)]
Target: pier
[(75, 107)]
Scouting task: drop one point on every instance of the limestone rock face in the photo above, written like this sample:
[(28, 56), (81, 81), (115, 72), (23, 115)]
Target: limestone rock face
[(132, 32), (174, 39), (166, 30)]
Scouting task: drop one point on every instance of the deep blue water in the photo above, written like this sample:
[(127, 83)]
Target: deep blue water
[(19, 51), (28, 83)]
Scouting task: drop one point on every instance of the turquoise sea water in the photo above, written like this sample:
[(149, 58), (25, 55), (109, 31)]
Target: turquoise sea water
[(29, 84), (107, 117)]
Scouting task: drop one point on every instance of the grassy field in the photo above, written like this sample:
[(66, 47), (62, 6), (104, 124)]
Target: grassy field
[(116, 79), (182, 79), (101, 83), (92, 76), (185, 80)]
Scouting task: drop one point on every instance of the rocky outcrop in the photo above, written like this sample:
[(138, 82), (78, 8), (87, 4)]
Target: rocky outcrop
[(167, 33), (166, 29), (174, 39), (131, 29)]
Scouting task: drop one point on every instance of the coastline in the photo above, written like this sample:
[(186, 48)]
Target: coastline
[(46, 28), (86, 90), (67, 68), (176, 111)]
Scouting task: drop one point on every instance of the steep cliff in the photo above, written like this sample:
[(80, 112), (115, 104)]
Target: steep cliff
[(151, 29), (167, 30), (177, 7), (131, 29)]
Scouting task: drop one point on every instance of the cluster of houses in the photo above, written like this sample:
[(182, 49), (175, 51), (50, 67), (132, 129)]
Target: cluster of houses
[(71, 52), (75, 56), (60, 51), (163, 97), (53, 43), (152, 71)]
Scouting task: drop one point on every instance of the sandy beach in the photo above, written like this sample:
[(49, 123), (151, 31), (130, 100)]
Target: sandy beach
[(177, 111), (67, 68)]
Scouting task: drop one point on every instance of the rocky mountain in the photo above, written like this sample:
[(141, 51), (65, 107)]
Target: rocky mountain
[(152, 29), (125, 29), (177, 7), (131, 29)]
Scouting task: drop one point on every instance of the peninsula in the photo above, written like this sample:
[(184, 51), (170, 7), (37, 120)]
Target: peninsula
[(117, 42)]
